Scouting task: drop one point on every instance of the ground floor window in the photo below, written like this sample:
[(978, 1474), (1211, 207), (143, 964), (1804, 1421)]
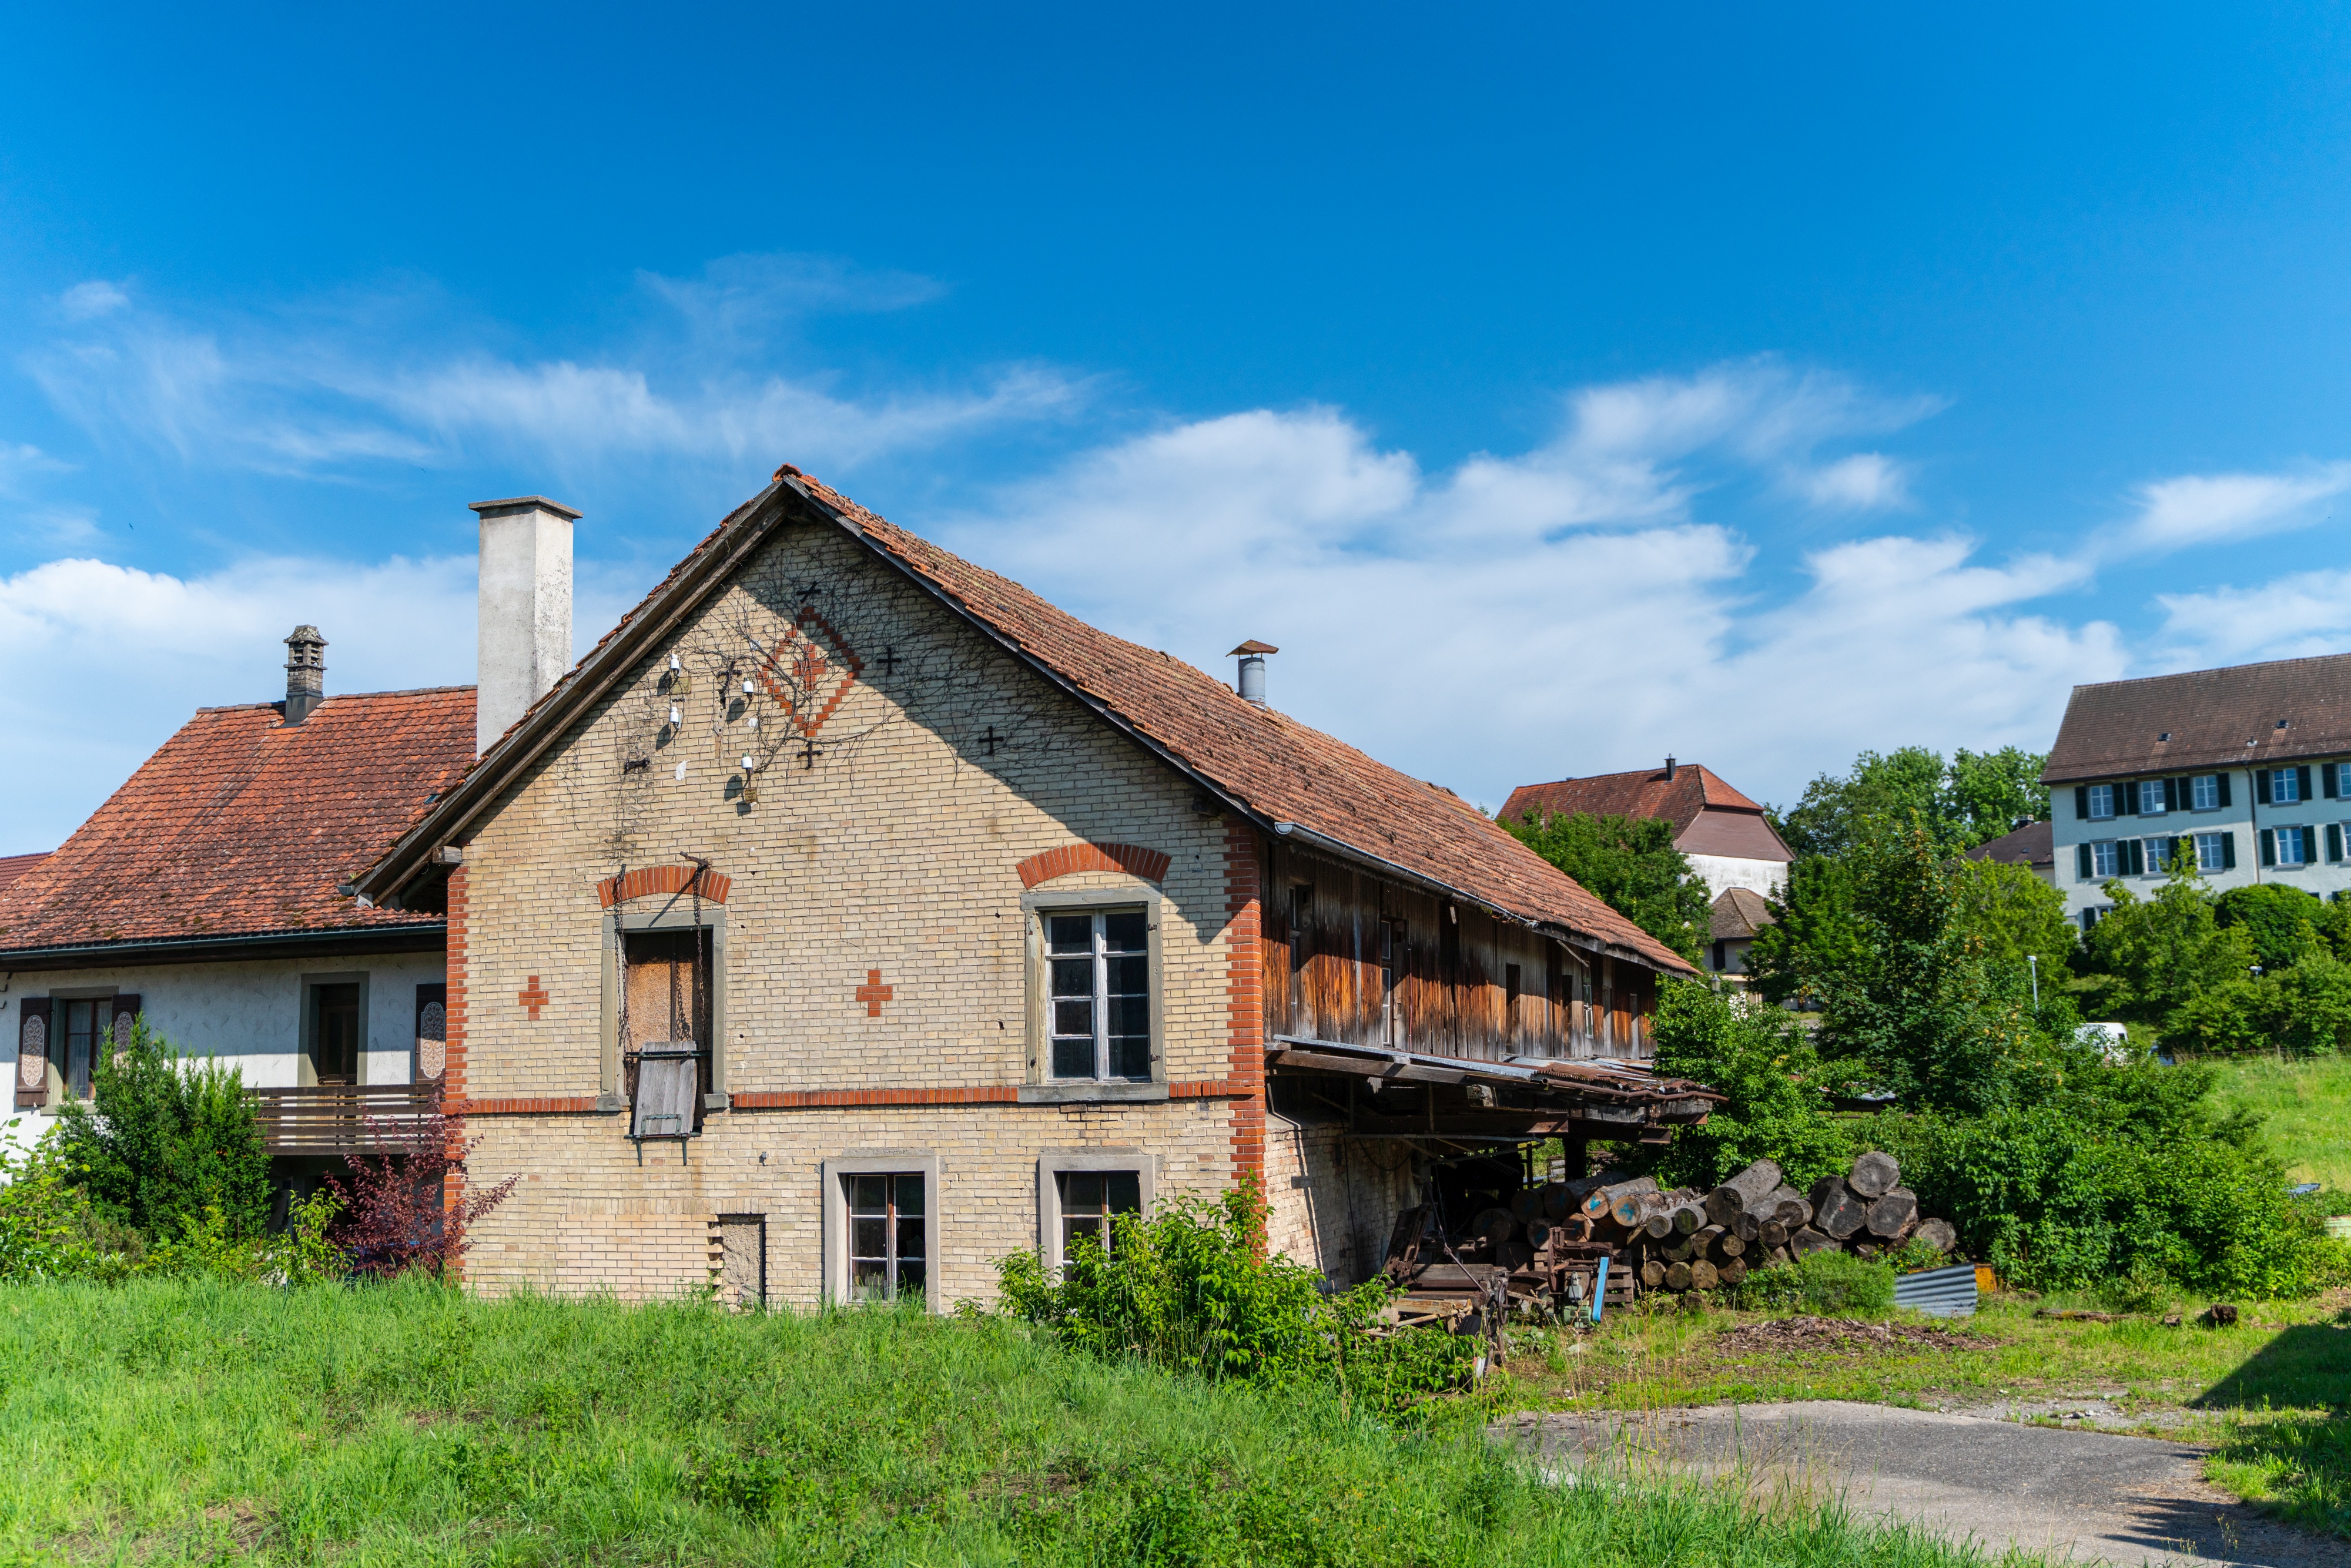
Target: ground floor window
[(886, 1251), (1090, 1199)]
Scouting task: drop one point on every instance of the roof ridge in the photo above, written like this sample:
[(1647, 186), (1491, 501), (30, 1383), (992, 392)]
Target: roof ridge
[(2213, 670)]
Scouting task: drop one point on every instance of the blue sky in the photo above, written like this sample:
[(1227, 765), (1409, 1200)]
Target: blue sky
[(1558, 386)]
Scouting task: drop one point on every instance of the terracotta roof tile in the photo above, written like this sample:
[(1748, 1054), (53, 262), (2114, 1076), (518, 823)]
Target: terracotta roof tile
[(1693, 789), (13, 866), (1740, 912), (243, 825), (2034, 844)]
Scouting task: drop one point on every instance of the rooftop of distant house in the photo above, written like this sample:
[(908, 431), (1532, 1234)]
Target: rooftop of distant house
[(13, 866), (1709, 816), (1739, 913), (242, 827), (2027, 844), (2243, 716)]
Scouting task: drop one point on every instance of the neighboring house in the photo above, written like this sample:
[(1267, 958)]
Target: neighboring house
[(13, 866), (851, 917), (2248, 764), (212, 891), (1737, 918), (2030, 845), (1728, 842)]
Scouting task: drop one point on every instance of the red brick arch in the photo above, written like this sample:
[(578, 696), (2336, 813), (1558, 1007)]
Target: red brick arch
[(658, 879), (1149, 865)]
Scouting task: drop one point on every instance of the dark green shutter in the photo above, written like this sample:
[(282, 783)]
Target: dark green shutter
[(2335, 841), (2268, 847), (2328, 785), (2227, 847), (2081, 802), (2302, 782), (2262, 788), (2224, 788), (2138, 850), (2082, 860), (2172, 794), (2126, 799)]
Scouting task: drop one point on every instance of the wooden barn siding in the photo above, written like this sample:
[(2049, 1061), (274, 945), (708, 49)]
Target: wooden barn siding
[(1324, 981)]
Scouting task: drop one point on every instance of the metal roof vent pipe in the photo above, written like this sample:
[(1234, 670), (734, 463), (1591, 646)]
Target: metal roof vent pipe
[(306, 672), (1252, 657), (525, 609), (1669, 770)]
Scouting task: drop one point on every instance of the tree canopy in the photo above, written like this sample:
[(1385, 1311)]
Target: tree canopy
[(1974, 796)]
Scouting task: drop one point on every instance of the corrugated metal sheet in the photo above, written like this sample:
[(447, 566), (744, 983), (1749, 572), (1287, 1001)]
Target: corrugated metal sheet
[(1938, 1292)]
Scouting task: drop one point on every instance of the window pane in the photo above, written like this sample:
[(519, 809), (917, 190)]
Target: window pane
[(1081, 1191), (869, 1237), (1074, 1018), (910, 1238), (1124, 933), (2102, 801), (1130, 1016), (1130, 1057), (2150, 797), (1124, 1191), (1073, 977), (911, 1279), (869, 1194), (2158, 854), (1073, 1059), (869, 1280), (1070, 933), (2289, 785), (1132, 976), (910, 1193), (1075, 1226)]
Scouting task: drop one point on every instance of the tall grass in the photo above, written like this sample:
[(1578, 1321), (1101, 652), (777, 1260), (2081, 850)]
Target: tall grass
[(176, 1421), (2307, 1109)]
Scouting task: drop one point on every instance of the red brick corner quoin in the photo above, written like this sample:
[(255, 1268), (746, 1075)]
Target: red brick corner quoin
[(660, 878), (1151, 865), (1245, 998)]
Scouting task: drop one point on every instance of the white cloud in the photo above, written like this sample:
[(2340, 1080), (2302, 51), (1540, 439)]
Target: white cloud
[(2203, 508), (1561, 612), (2292, 617), (96, 297), (1866, 481)]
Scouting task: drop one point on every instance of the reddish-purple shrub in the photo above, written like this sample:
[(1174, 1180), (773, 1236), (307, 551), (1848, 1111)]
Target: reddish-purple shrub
[(397, 1212)]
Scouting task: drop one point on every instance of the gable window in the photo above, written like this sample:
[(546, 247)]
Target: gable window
[(2215, 851), (2152, 801), (1100, 967), (888, 1240), (2204, 792), (2101, 802)]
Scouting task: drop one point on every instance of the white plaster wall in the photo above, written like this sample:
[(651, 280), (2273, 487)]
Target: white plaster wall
[(1724, 871), (2243, 816), (250, 1014)]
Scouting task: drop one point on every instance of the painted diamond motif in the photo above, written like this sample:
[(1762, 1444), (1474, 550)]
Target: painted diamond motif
[(810, 671)]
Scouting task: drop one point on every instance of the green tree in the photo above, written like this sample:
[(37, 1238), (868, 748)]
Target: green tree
[(1763, 1060), (1813, 934), (165, 1138), (2149, 956), (1630, 864), (2013, 916), (2281, 921), (1974, 796), (1987, 793)]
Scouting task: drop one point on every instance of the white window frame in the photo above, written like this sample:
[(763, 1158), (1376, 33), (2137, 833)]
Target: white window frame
[(2150, 790), (2285, 787), (2158, 852), (2204, 792), (2102, 794), (2108, 850), (1053, 1164), (923, 1163), (2218, 856), (2302, 845), (1042, 1087)]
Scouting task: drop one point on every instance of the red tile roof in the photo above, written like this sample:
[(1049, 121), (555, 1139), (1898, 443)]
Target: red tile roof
[(13, 866), (243, 825), (1281, 770), (1709, 816)]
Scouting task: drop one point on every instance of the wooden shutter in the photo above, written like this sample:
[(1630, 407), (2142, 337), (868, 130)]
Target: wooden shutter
[(2172, 794), (432, 1034), (2137, 850), (2126, 799), (2227, 847), (2335, 841), (666, 1081), (2268, 847), (32, 1052), (2224, 787), (2261, 787), (2082, 862), (124, 1019), (2328, 783), (2302, 782), (2081, 802)]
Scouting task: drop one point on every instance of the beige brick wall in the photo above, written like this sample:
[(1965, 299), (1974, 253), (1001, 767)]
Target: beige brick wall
[(898, 850)]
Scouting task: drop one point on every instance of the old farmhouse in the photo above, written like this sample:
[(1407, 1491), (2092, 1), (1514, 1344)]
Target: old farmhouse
[(851, 917)]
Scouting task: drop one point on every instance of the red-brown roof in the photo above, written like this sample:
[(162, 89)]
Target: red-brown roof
[(1275, 766), (2033, 844), (1709, 816), (2245, 716), (243, 825), (1738, 914), (13, 866)]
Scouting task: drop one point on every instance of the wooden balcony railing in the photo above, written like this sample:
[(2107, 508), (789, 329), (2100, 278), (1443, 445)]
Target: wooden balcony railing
[(339, 1118)]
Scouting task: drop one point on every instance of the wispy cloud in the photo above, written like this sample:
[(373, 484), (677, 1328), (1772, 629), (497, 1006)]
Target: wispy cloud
[(97, 297), (2291, 617), (2207, 508)]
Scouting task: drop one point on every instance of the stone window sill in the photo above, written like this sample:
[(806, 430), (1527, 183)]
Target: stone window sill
[(1084, 1093)]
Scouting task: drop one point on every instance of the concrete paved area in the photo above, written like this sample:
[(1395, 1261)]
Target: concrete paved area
[(2095, 1496)]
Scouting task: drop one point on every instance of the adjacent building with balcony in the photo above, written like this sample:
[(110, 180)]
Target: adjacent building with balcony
[(2248, 768)]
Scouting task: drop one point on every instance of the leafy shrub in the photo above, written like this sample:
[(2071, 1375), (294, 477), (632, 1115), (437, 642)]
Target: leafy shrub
[(2281, 921), (299, 1255), (1763, 1060), (2302, 1012), (1831, 1283), (165, 1138), (1190, 1288), (394, 1215)]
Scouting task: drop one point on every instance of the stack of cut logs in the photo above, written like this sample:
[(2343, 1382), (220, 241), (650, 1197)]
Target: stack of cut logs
[(1689, 1241)]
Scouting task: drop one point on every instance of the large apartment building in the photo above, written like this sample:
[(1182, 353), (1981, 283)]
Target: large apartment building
[(2248, 766)]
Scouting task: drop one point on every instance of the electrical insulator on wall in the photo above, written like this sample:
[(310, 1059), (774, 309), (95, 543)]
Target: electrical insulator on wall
[(675, 717), (754, 721)]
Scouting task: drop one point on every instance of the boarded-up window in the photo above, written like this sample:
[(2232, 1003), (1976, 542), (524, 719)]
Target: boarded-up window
[(740, 1242), (666, 1030)]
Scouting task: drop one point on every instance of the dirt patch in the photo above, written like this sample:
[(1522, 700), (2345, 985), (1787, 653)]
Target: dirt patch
[(1780, 1336)]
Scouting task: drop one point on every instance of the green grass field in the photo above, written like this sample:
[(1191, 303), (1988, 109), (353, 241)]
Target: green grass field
[(2308, 1107), (164, 1423)]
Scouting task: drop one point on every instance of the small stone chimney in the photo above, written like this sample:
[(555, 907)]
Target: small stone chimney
[(306, 672), (1669, 770), (525, 615), (1252, 654)]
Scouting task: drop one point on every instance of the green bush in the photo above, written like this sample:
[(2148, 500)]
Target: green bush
[(165, 1138), (2281, 921), (2301, 1012), (1831, 1283), (1763, 1060), (1190, 1288)]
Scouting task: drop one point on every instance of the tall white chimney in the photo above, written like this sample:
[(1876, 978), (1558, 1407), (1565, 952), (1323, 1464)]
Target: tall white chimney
[(526, 608)]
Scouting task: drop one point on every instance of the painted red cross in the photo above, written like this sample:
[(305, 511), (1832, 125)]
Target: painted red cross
[(534, 998), (874, 993)]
